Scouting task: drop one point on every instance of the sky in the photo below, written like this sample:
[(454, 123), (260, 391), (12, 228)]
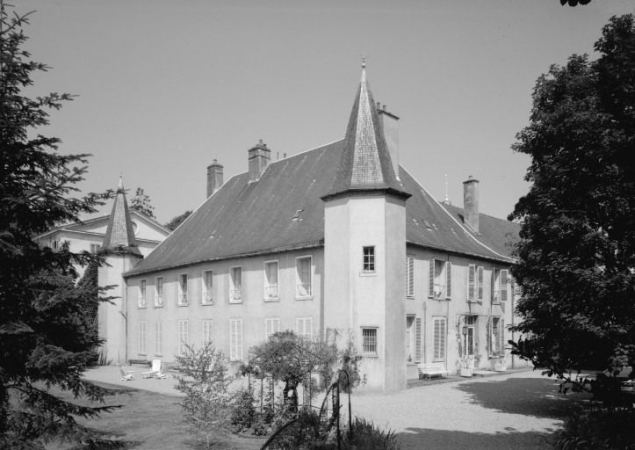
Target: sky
[(164, 87)]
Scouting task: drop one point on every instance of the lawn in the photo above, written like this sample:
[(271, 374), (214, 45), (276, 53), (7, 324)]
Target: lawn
[(153, 421)]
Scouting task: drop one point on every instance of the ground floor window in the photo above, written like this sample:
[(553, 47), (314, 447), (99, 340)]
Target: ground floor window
[(496, 336), (143, 338), (183, 336), (235, 339), (304, 327), (158, 338), (272, 325), (468, 333), (369, 341), (440, 336), (207, 331)]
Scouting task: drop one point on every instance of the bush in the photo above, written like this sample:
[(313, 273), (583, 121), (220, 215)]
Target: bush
[(597, 429)]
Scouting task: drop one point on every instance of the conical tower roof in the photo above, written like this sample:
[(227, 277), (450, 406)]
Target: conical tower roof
[(365, 163), (120, 231)]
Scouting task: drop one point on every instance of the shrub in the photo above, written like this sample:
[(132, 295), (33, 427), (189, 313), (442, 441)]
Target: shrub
[(597, 429)]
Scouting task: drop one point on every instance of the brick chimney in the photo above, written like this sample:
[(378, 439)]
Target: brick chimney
[(390, 127), (470, 203), (214, 177), (259, 157)]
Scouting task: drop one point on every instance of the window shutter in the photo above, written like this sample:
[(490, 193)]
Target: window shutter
[(470, 282), (418, 339), (501, 333), (431, 278), (503, 285), (448, 279), (490, 337), (480, 282), (493, 291)]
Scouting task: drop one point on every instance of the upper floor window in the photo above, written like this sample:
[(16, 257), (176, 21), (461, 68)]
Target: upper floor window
[(235, 285), (303, 277), (440, 283), (271, 280), (410, 276), (500, 283), (183, 289), (207, 287), (142, 294), (368, 259), (475, 283), (158, 296)]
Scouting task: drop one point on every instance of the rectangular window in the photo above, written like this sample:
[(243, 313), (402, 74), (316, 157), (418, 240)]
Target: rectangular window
[(271, 280), (304, 327), (496, 336), (368, 259), (158, 338), (410, 276), (410, 338), (235, 339), (500, 285), (471, 283), (143, 338), (94, 248), (303, 277), (271, 326), (207, 331), (142, 294), (468, 332), (158, 297), (207, 297), (183, 289), (235, 285), (369, 341), (479, 282), (184, 336), (440, 335), (440, 279)]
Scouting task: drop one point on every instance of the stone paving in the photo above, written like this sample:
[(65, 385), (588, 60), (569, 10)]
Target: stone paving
[(518, 410)]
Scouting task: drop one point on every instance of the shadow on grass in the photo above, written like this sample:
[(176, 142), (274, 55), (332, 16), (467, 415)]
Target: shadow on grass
[(538, 397), (423, 439)]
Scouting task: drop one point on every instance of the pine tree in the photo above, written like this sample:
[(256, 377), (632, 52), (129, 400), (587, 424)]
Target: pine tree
[(45, 332)]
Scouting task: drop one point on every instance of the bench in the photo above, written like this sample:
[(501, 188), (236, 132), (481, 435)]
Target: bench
[(143, 362), (429, 370)]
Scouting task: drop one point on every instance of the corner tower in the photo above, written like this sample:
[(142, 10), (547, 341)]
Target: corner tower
[(365, 248), (120, 254)]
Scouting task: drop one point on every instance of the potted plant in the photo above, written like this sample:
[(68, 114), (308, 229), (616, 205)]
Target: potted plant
[(467, 366)]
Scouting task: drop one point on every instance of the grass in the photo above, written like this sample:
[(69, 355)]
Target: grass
[(153, 421)]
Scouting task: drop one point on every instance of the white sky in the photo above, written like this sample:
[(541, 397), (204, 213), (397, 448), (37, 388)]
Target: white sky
[(166, 86)]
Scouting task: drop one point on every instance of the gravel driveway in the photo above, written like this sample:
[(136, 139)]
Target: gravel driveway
[(511, 411)]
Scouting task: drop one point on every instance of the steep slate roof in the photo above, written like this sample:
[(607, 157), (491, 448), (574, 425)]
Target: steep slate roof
[(365, 163), (120, 232)]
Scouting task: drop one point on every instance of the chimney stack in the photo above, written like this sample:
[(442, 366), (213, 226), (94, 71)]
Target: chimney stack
[(214, 178), (470, 203), (259, 156), (390, 127)]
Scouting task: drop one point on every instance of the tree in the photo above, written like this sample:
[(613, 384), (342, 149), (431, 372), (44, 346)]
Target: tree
[(576, 255), (178, 220), (141, 202), (45, 338)]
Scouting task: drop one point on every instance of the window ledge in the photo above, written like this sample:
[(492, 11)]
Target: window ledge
[(370, 356), (142, 306), (368, 274), (183, 304), (207, 303), (304, 298), (271, 299), (236, 303), (158, 306)]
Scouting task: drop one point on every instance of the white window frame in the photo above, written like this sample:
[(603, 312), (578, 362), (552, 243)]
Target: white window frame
[(143, 291), (272, 326), (440, 340), (183, 289), (158, 338), (207, 289), (271, 289), (235, 290), (369, 259), (440, 280), (304, 327), (184, 335), (143, 338), (496, 341), (94, 248), (159, 292), (410, 276), (207, 328), (370, 341), (301, 291), (235, 339), (410, 338)]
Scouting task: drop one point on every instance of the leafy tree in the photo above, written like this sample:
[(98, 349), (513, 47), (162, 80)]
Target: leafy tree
[(577, 250), (205, 382), (141, 202), (178, 220), (45, 338)]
